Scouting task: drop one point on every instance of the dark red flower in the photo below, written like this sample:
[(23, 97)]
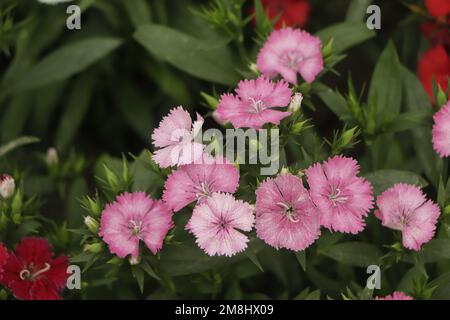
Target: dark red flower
[(3, 257), (293, 13), (437, 33), (31, 272), (434, 64), (438, 8)]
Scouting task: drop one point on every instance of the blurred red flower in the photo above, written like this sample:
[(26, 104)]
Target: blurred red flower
[(293, 13), (31, 273), (434, 64), (438, 8)]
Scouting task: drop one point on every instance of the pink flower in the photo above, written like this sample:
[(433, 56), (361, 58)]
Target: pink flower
[(290, 51), (404, 207), (175, 138), (196, 182), (285, 214), (343, 198), (395, 296), (441, 131), (216, 221), (253, 105), (133, 217)]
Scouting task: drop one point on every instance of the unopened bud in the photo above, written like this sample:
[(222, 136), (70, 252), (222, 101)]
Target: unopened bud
[(296, 102), (254, 68), (93, 247), (91, 224), (284, 171), (134, 260), (7, 186), (52, 157)]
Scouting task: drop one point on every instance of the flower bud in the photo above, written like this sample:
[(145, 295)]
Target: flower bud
[(52, 157), (296, 102), (7, 186), (96, 247), (284, 171), (134, 260), (91, 224), (254, 68)]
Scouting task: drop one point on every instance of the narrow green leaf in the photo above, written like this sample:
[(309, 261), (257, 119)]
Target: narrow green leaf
[(357, 10), (76, 108), (188, 54), (409, 120), (345, 35), (138, 11), (17, 143), (253, 258), (358, 254), (386, 86), (65, 62), (382, 180), (301, 258), (416, 100), (149, 270), (138, 274)]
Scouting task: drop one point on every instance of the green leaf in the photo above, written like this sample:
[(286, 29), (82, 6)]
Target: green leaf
[(333, 100), (17, 143), (138, 274), (386, 86), (65, 62), (357, 10), (382, 180), (416, 100), (358, 254), (149, 270), (188, 54), (442, 283), (187, 258), (138, 11), (253, 258), (345, 35), (436, 250), (409, 120), (77, 107), (301, 258)]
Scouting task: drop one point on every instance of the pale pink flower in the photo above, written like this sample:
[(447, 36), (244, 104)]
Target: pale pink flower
[(404, 207), (441, 131), (290, 51), (131, 218), (216, 222), (285, 214), (343, 198), (252, 106), (196, 182), (395, 296), (175, 138)]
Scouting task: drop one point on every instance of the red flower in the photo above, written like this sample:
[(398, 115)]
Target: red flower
[(437, 33), (434, 64), (31, 273), (3, 257), (294, 13), (438, 8)]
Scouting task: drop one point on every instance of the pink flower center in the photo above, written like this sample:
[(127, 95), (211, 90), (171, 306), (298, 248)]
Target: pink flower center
[(31, 273), (336, 197), (291, 59), (203, 191), (256, 105), (136, 228), (289, 211)]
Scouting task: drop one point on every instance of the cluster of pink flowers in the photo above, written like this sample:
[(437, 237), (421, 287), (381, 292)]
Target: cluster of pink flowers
[(286, 213)]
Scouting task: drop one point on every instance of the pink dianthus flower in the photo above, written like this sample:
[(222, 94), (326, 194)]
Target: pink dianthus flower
[(285, 214), (395, 296), (441, 131), (216, 222), (404, 207), (343, 198), (252, 106), (131, 218), (290, 51)]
